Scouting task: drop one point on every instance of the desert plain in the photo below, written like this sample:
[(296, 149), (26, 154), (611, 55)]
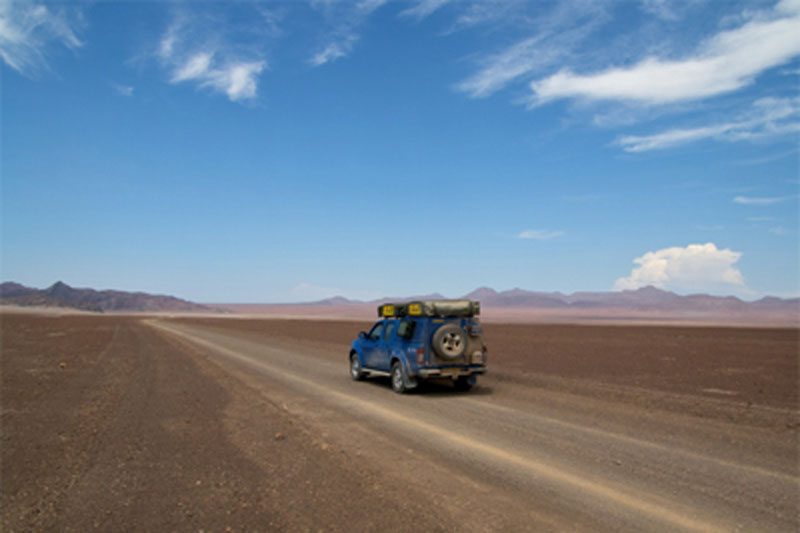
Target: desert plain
[(192, 423)]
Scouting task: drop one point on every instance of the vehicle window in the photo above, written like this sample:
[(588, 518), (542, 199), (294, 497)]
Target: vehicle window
[(375, 333), (405, 329), (387, 331)]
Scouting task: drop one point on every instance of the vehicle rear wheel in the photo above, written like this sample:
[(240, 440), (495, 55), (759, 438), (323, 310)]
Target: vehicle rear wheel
[(450, 341), (355, 368), (465, 383), (398, 379)]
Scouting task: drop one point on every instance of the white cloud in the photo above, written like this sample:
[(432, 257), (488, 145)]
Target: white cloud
[(769, 117), (697, 267), (210, 61), (728, 61), (750, 200), (778, 230), (539, 234), (27, 28)]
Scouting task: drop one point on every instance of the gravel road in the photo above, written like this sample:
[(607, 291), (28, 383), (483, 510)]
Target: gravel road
[(506, 456)]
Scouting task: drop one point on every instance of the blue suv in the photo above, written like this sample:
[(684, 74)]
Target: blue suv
[(430, 339)]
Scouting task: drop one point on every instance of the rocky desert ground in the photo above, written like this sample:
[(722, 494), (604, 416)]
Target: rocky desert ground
[(150, 423)]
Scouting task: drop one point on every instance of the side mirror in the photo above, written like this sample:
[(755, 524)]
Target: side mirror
[(362, 334)]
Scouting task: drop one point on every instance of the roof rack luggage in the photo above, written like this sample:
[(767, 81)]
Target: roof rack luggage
[(431, 308)]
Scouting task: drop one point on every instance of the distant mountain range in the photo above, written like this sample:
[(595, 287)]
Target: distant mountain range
[(62, 295), (645, 299)]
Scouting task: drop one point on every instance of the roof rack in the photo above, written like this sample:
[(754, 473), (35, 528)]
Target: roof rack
[(430, 308)]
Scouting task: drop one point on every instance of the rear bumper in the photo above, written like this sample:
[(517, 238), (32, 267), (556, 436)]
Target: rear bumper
[(451, 371)]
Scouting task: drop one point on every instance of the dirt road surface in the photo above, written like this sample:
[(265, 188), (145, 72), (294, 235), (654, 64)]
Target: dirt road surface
[(119, 423)]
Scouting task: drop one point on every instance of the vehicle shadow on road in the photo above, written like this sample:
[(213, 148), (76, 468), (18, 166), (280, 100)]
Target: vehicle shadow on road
[(433, 389)]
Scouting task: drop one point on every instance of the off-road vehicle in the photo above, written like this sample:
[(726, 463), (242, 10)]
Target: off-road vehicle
[(430, 339)]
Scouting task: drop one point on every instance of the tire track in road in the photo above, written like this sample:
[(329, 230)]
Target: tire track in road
[(670, 514)]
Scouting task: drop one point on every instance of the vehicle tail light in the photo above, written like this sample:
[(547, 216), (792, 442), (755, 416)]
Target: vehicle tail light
[(420, 355)]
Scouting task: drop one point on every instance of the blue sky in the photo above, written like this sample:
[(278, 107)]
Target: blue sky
[(289, 151)]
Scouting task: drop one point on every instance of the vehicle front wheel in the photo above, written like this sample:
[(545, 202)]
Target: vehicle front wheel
[(355, 368), (398, 379)]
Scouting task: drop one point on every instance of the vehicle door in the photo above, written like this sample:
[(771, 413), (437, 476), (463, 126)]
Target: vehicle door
[(385, 346), (370, 344)]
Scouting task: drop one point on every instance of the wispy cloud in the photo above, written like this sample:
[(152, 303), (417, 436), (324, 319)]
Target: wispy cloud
[(196, 52), (344, 18), (501, 68), (778, 230), (769, 117), (334, 50), (122, 90), (28, 28), (192, 67), (555, 35), (760, 219), (587, 197), (728, 61), (663, 9), (488, 12), (423, 8), (752, 200), (539, 234), (715, 227), (765, 159)]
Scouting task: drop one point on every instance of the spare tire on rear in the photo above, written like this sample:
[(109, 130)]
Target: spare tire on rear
[(450, 341)]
